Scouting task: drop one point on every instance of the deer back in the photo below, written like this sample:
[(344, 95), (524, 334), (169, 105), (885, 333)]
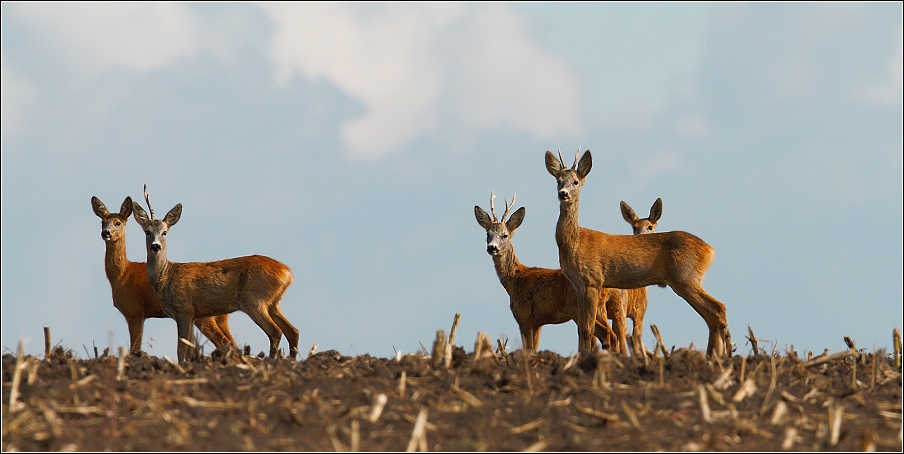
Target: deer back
[(224, 286), (633, 261)]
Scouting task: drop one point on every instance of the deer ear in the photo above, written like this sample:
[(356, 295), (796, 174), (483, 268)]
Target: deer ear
[(628, 213), (515, 220), (99, 209), (656, 211), (173, 216), (584, 165), (553, 166), (126, 209), (482, 217), (141, 217)]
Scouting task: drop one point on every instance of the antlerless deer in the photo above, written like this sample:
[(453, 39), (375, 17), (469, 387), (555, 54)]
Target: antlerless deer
[(132, 292), (593, 260), (253, 284)]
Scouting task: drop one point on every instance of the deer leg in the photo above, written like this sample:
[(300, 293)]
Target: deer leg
[(713, 312), (209, 328), (639, 310), (637, 337), (527, 337), (601, 334), (535, 345), (614, 301), (263, 320), (136, 327), (223, 323), (589, 308), (184, 327), (620, 329), (290, 331)]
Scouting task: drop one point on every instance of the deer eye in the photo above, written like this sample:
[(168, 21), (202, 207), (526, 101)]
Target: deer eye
[(164, 233), (575, 182), (504, 236), (118, 223), (649, 227)]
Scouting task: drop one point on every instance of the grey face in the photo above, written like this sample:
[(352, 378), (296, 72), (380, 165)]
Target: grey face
[(568, 183), (499, 233), (155, 229), (155, 235), (498, 238)]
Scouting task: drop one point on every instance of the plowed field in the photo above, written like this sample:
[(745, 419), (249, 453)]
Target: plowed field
[(512, 402)]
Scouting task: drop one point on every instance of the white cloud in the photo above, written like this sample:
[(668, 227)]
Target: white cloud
[(96, 37), (418, 68)]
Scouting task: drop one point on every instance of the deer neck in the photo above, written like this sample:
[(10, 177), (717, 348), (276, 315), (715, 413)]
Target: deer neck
[(158, 268), (568, 232), (507, 267), (115, 261)]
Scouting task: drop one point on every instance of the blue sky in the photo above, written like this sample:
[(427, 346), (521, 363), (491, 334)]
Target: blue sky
[(352, 141)]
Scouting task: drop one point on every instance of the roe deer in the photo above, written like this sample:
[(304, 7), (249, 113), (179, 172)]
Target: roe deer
[(593, 260), (253, 284), (540, 296), (132, 292), (636, 298)]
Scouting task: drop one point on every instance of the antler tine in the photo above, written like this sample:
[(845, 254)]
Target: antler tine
[(576, 153), (493, 208), (561, 161), (508, 207), (148, 200)]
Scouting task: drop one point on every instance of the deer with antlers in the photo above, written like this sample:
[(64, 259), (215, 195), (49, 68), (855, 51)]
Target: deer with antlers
[(132, 292), (593, 260), (537, 296), (253, 284), (542, 296)]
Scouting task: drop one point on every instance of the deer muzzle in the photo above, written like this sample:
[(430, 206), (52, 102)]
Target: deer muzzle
[(492, 249), (155, 247), (106, 235)]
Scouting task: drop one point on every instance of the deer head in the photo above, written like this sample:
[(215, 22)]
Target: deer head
[(569, 180), (645, 225), (499, 231), (112, 224), (155, 229)]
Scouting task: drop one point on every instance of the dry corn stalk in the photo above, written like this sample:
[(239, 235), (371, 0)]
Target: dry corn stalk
[(746, 389), (418, 435), (438, 349), (377, 408)]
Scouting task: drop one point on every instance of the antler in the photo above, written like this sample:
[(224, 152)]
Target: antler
[(492, 208), (576, 153), (561, 161), (508, 207), (146, 199)]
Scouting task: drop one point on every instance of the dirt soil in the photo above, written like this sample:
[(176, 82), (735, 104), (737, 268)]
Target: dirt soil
[(513, 402)]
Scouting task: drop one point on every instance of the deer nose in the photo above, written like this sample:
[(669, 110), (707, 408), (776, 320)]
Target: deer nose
[(492, 249), (105, 234), (155, 247), (563, 195)]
